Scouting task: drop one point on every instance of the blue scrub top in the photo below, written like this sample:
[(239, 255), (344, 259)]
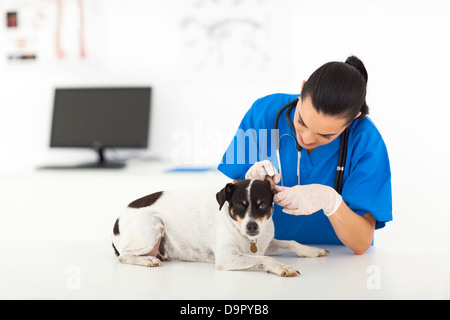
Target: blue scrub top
[(367, 175)]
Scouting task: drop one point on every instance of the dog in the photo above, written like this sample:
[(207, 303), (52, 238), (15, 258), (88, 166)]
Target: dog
[(235, 233)]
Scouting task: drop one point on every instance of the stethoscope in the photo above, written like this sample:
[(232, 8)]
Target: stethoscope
[(342, 151)]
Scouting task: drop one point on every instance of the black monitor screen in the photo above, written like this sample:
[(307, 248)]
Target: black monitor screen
[(101, 117)]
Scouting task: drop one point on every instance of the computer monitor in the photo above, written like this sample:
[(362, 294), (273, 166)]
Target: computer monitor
[(101, 118)]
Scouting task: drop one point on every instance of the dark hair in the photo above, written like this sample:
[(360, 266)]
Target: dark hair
[(339, 89)]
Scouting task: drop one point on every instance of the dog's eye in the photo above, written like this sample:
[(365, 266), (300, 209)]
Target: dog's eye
[(240, 206), (263, 205)]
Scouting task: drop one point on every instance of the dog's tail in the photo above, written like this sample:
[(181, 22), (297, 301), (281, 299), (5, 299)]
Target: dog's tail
[(116, 232), (115, 250)]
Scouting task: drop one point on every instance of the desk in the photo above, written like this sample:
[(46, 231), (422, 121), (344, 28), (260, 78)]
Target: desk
[(55, 243)]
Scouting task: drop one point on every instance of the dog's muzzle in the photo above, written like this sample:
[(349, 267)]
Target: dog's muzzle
[(252, 228)]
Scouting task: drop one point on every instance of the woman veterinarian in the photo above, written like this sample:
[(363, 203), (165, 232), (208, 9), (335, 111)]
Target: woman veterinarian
[(307, 134)]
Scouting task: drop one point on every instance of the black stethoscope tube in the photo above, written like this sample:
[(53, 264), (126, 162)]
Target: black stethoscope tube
[(342, 150), (341, 161), (291, 106)]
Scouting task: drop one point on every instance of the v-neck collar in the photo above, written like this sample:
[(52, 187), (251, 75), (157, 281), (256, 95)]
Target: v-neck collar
[(318, 154)]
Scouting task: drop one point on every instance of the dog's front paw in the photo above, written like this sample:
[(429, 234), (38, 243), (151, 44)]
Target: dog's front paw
[(280, 269), (288, 271), (312, 252), (320, 252)]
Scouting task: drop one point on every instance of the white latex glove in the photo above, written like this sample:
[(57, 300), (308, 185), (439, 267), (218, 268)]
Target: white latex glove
[(261, 169), (307, 199)]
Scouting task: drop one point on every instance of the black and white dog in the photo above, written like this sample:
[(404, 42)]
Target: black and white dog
[(235, 234)]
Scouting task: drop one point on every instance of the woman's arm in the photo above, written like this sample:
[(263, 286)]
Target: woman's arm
[(355, 231)]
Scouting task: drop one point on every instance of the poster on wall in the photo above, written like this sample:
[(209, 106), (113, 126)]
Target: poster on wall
[(221, 38), (44, 31)]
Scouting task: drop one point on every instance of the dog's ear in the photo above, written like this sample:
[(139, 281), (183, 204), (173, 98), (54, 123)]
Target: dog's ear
[(270, 187), (225, 195), (269, 179)]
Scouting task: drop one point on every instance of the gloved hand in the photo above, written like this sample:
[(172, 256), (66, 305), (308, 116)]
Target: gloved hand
[(261, 169), (307, 199)]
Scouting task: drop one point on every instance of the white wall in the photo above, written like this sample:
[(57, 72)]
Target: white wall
[(404, 45), (196, 108)]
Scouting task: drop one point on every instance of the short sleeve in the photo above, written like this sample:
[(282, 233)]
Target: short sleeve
[(367, 187), (242, 152), (253, 139)]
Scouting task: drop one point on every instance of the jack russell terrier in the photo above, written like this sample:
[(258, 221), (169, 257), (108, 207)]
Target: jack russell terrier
[(235, 233)]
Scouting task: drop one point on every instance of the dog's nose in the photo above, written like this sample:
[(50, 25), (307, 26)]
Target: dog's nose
[(252, 228)]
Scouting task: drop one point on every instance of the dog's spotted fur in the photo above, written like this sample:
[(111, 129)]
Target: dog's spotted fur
[(235, 233)]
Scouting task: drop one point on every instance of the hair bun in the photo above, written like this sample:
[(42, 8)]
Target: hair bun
[(356, 63)]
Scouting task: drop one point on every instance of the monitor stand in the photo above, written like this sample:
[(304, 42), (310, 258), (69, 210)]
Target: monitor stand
[(102, 163)]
